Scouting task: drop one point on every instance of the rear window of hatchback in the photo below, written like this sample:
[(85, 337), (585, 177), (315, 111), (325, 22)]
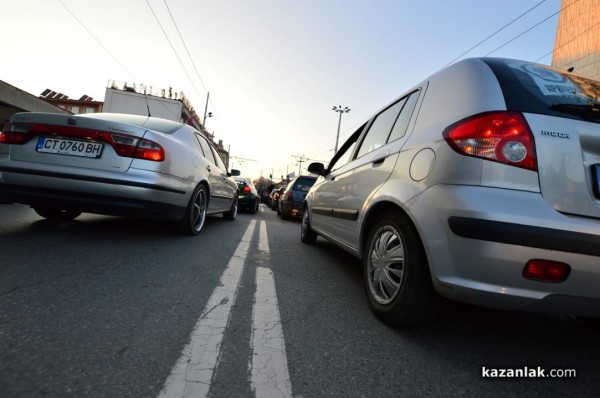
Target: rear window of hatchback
[(535, 88)]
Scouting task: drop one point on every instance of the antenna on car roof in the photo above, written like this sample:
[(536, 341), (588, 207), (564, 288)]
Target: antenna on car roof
[(147, 105)]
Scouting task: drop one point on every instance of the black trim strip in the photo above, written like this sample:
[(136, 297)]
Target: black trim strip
[(91, 179), (344, 214), (525, 235)]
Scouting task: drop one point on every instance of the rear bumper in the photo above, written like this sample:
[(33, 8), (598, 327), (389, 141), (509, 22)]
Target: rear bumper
[(246, 202), (136, 193), (90, 203), (291, 209), (478, 240)]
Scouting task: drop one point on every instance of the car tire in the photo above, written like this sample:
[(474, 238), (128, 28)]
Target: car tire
[(195, 214), (232, 213), (254, 207), (58, 215), (307, 235), (396, 274)]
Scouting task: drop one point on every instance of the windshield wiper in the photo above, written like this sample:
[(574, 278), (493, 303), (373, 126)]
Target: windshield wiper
[(583, 110)]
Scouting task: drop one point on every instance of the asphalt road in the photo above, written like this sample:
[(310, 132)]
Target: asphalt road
[(105, 307)]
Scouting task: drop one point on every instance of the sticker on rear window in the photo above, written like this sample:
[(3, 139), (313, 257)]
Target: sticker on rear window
[(549, 82)]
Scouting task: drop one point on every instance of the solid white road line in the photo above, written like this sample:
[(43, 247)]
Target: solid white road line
[(269, 368), (193, 372)]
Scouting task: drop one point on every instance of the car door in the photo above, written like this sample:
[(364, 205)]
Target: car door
[(217, 188), (228, 188), (340, 198)]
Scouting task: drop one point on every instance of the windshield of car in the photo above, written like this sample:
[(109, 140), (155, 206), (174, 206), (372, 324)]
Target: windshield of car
[(535, 88)]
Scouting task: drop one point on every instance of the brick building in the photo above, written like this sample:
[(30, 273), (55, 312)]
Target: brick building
[(577, 43)]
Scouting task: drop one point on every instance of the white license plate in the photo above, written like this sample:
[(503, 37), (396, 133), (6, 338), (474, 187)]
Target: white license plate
[(69, 147)]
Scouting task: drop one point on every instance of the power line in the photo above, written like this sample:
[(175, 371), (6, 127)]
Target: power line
[(184, 45), (98, 41), (173, 48), (494, 34)]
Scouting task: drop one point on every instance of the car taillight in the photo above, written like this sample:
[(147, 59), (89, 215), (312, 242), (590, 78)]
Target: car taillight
[(124, 145), (290, 196), (16, 134), (503, 137), (247, 189)]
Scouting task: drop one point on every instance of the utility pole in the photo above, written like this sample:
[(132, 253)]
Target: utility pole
[(205, 109), (300, 159)]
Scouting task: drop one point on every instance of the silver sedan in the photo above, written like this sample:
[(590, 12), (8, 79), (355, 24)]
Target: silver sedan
[(114, 164)]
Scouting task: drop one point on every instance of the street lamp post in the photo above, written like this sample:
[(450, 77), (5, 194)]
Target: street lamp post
[(340, 110)]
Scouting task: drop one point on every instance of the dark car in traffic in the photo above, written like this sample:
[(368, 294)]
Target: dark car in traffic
[(248, 198), (291, 201)]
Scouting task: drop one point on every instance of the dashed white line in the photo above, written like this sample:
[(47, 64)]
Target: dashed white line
[(269, 368), (193, 372), (263, 239)]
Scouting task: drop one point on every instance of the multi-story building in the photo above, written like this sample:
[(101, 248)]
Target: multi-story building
[(577, 43)]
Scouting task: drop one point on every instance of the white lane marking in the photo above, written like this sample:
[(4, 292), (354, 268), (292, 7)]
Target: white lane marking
[(263, 240), (269, 368), (192, 374)]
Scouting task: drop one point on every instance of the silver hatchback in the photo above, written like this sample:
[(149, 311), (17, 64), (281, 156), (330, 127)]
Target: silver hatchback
[(114, 164), (480, 184)]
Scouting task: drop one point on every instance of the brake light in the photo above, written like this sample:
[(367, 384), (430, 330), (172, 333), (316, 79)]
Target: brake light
[(247, 189), (502, 137), (290, 196), (546, 271), (16, 134), (124, 145)]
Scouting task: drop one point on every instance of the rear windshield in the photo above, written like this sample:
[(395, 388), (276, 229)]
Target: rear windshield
[(535, 88), (304, 184), (150, 123)]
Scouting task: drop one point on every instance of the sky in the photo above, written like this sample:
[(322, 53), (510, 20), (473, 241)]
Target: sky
[(274, 68)]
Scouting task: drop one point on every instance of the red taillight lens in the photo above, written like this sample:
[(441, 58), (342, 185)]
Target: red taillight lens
[(247, 189), (124, 145), (290, 196), (149, 150), (546, 271), (16, 134), (503, 137)]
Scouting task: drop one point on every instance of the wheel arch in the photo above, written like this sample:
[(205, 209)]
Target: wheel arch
[(373, 214)]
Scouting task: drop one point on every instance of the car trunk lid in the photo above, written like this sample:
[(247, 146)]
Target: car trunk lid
[(66, 140), (568, 156)]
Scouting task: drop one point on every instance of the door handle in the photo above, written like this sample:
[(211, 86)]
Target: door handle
[(208, 168), (379, 160)]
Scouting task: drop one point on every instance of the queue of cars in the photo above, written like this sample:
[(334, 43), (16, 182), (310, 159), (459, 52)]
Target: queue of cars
[(480, 184)]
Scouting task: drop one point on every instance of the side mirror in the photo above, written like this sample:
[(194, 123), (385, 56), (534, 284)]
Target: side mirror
[(234, 173), (316, 168)]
